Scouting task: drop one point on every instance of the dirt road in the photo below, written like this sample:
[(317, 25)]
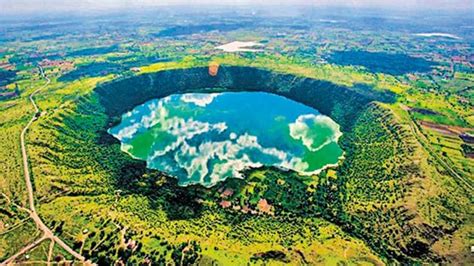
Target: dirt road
[(47, 233)]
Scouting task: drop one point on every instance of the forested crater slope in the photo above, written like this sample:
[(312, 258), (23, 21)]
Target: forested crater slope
[(340, 103), (384, 191)]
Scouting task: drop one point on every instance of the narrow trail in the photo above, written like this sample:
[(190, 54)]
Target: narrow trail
[(47, 233)]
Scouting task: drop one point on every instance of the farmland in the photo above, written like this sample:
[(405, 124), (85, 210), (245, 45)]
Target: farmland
[(401, 192)]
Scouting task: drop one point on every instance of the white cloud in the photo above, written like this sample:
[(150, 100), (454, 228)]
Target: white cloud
[(199, 99), (301, 129), (232, 158), (137, 120)]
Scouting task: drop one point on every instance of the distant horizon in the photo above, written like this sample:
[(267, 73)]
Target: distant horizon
[(11, 7)]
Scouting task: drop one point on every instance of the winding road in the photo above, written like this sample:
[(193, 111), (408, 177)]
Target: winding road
[(47, 233)]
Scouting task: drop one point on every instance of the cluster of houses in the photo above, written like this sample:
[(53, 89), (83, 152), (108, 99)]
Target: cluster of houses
[(7, 66), (59, 65), (464, 60), (263, 207)]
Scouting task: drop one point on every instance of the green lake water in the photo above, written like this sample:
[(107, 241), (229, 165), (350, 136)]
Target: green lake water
[(204, 138)]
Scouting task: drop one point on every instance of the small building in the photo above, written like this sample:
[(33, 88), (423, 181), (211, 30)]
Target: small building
[(264, 207), (227, 193), (225, 204)]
